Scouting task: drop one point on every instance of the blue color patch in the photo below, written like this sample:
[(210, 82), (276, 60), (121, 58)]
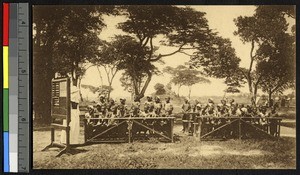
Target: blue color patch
[(6, 151)]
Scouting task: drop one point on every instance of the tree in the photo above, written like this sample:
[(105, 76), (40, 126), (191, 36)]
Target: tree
[(169, 88), (104, 90), (260, 30), (219, 61), (278, 69), (184, 76), (176, 76), (62, 42), (159, 88), (232, 90), (181, 27), (108, 58)]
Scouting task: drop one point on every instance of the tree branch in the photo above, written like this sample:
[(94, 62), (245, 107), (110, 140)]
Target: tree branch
[(251, 57), (166, 55), (147, 39), (185, 53), (277, 87), (151, 48)]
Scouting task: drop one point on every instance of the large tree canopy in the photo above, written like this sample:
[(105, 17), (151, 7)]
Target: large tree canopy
[(271, 45), (61, 42), (183, 29)]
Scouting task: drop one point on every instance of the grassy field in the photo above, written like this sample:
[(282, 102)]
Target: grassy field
[(186, 153)]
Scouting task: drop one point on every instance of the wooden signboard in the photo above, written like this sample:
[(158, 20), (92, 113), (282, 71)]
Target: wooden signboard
[(60, 100), (60, 111)]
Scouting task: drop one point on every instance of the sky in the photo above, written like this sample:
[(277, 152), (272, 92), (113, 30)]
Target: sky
[(220, 19)]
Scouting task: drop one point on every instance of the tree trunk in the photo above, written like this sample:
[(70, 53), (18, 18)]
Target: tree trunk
[(79, 87), (254, 95), (224, 95), (190, 90), (270, 98), (178, 90), (109, 90), (249, 78), (100, 75), (141, 94), (252, 98)]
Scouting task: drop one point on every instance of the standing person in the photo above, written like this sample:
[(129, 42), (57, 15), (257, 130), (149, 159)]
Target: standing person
[(112, 108), (186, 108), (102, 106), (135, 107), (122, 108), (198, 109), (168, 107), (112, 111), (244, 110), (90, 114), (224, 109), (263, 114), (75, 120), (211, 109), (157, 106), (148, 106), (193, 106)]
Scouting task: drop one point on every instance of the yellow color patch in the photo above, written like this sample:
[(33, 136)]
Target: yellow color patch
[(5, 66)]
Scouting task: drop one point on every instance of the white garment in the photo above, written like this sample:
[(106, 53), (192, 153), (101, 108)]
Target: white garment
[(63, 133), (75, 96), (75, 126), (75, 120)]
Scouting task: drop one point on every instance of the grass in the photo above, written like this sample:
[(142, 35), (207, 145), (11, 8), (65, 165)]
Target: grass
[(186, 153), (289, 124)]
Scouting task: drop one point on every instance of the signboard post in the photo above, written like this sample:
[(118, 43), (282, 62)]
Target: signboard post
[(60, 112)]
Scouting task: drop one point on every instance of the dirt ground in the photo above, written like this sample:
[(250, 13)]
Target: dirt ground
[(186, 153)]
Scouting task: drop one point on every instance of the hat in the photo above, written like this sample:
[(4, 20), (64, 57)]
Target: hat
[(102, 96), (90, 106)]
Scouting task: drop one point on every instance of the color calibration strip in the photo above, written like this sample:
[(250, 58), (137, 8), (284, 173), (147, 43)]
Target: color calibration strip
[(13, 87), (16, 87), (6, 87)]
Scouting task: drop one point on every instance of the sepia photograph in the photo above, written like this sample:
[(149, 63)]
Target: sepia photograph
[(164, 86)]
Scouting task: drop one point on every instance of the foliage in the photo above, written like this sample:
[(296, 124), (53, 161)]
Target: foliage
[(62, 42), (180, 27), (159, 88), (185, 76), (100, 90), (217, 60), (279, 68), (232, 90), (266, 30)]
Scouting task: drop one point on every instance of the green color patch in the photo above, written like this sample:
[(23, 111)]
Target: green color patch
[(5, 110)]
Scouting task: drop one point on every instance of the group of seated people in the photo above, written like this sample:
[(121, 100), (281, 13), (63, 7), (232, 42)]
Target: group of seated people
[(217, 113), (228, 108), (110, 109)]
